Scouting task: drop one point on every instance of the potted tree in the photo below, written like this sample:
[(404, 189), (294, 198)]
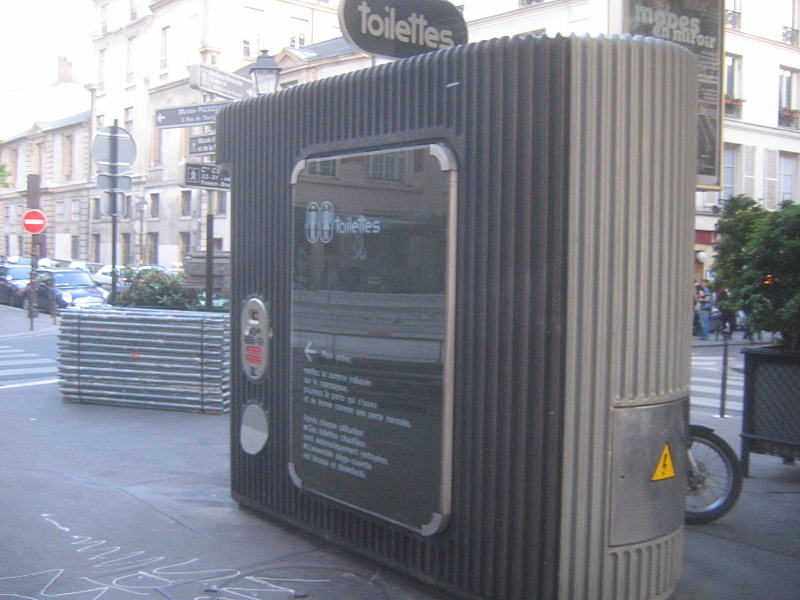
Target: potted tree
[(758, 261)]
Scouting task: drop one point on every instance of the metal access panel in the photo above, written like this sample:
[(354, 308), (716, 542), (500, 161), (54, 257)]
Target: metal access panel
[(459, 256)]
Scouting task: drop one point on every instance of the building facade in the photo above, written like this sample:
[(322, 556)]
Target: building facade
[(58, 153), (145, 51)]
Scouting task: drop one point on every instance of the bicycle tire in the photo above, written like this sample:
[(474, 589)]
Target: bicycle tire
[(716, 488)]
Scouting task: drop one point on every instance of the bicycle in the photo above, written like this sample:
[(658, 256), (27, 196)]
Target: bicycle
[(715, 476)]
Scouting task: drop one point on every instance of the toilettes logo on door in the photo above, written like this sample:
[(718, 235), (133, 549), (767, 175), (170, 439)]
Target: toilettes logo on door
[(322, 222)]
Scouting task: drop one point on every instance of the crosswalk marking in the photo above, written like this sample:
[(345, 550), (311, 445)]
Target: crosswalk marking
[(19, 368), (705, 390)]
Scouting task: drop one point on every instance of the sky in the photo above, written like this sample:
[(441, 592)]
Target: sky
[(33, 34)]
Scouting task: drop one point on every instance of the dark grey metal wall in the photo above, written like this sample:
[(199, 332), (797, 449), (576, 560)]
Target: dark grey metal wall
[(505, 108)]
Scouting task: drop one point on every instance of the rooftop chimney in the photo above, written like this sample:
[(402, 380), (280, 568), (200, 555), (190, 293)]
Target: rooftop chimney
[(64, 71)]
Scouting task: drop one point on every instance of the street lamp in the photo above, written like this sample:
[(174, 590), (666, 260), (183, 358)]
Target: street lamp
[(266, 72)]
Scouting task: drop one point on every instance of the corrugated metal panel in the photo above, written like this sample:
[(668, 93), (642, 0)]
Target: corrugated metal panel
[(506, 110), (630, 228), (499, 106), (175, 360)]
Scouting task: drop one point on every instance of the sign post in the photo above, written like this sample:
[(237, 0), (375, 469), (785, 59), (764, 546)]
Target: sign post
[(34, 221), (114, 151)]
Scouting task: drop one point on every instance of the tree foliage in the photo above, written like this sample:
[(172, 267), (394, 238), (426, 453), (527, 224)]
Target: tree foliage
[(758, 260), (5, 174)]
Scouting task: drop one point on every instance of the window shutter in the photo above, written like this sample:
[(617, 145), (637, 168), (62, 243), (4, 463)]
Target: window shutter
[(770, 178), (750, 171)]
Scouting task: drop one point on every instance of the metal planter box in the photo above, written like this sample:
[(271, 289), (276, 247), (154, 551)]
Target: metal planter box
[(151, 358), (771, 420), (459, 313)]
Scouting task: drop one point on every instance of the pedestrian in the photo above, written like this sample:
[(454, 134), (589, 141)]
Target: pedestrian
[(727, 316), (706, 299)]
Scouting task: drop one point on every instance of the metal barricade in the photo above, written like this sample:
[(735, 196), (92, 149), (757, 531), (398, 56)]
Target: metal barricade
[(176, 360)]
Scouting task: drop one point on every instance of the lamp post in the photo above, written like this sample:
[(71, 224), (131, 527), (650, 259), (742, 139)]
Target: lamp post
[(266, 73)]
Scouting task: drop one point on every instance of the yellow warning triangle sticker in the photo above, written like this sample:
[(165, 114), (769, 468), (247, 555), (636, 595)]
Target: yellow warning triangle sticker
[(665, 468)]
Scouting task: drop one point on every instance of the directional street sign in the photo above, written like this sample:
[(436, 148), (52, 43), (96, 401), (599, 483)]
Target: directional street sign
[(188, 116), (214, 81), (206, 176), (202, 144), (114, 150), (34, 221)]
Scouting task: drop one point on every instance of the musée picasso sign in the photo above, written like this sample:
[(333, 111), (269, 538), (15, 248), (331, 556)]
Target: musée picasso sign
[(402, 28)]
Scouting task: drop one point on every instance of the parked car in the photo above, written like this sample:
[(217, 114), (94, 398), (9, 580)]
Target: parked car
[(67, 287), (13, 281), (103, 276)]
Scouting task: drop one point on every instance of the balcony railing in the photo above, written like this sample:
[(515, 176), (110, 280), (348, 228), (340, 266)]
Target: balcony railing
[(789, 117), (791, 36), (733, 19)]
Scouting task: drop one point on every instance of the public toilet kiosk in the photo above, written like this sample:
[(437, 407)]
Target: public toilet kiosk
[(460, 313)]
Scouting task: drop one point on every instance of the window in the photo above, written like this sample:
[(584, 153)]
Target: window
[(733, 99), (75, 247), (127, 209), (733, 14), (104, 19), (37, 150), (164, 47), (299, 30), (126, 248), (129, 119), (157, 147), (786, 176), (787, 99), (67, 157), (246, 53), (728, 170), (788, 83), (185, 244), (217, 201), (76, 210), (13, 160), (61, 210), (152, 248), (323, 168), (101, 70), (96, 209), (386, 166), (186, 203), (131, 60), (155, 205)]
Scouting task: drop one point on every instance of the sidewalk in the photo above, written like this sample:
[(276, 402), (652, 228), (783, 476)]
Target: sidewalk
[(14, 322), (119, 503)]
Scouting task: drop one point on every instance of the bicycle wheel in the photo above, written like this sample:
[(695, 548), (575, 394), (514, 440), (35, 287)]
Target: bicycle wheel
[(715, 477)]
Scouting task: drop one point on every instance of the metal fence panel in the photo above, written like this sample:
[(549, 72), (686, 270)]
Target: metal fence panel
[(177, 360)]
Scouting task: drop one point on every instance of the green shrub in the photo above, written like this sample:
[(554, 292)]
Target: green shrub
[(157, 289)]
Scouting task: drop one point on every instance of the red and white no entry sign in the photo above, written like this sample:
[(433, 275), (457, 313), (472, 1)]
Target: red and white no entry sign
[(34, 221)]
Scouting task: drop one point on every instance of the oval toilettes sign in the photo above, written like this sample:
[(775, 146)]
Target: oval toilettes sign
[(402, 28)]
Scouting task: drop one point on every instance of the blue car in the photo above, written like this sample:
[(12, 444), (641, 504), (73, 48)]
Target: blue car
[(62, 288), (14, 280)]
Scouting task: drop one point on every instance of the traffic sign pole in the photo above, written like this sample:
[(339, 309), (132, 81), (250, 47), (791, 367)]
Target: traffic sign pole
[(113, 192)]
